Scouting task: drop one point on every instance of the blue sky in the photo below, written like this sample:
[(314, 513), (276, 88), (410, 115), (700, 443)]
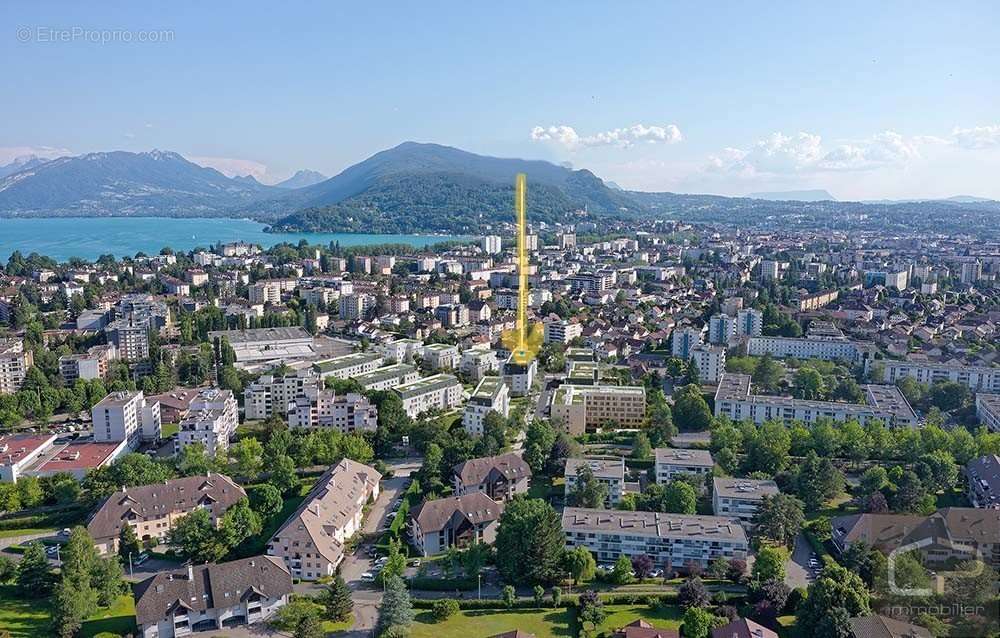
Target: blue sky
[(867, 100)]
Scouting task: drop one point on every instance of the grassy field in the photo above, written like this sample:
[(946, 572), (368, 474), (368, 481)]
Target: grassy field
[(543, 623), (29, 618), (7, 533), (119, 619), (167, 430), (330, 626)]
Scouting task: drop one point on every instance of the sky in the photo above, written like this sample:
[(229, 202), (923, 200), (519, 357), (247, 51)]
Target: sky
[(867, 100)]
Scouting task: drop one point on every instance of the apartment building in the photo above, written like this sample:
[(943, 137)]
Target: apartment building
[(356, 306), (581, 408), (126, 416), (491, 395), (211, 420), (610, 472), (94, 364), (400, 350), (519, 376), (815, 348), (728, 329), (988, 411), (477, 363), (15, 361), (983, 478), (684, 339), (674, 462), (948, 535), (455, 521), (884, 402), (388, 377), (130, 337), (439, 391), (267, 291), (312, 541), (722, 330), (562, 331), (711, 362), (441, 356), (491, 244), (316, 409), (19, 451), (452, 315), (271, 395), (500, 477), (976, 378), (740, 498), (153, 510), (211, 597), (348, 365), (673, 541)]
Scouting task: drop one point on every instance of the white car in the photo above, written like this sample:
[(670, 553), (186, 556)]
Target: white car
[(656, 573), (381, 561), (368, 577)]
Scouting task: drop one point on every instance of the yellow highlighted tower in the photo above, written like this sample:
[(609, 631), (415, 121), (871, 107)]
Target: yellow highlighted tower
[(524, 341)]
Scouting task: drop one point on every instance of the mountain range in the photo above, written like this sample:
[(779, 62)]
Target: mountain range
[(422, 187)]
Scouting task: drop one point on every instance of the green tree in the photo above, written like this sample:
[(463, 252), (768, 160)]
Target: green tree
[(444, 608), (197, 538), (309, 627), (770, 564), (621, 573), (239, 523), (283, 476), (779, 518), (698, 623), (835, 588), (539, 594), (680, 498), (265, 499), (108, 580), (336, 600), (590, 609), (817, 481), (34, 578), (641, 447), (72, 603), (79, 557), (690, 411), (248, 457), (587, 490), (692, 593), (193, 460), (529, 542), (556, 596), (397, 608), (580, 564), (768, 448), (768, 373), (809, 384), (508, 596), (396, 563)]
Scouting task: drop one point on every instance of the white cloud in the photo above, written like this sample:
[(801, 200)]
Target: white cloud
[(233, 167), (780, 154), (977, 137), (620, 137), (9, 153)]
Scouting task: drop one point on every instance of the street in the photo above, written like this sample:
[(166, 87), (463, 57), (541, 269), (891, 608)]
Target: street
[(798, 572)]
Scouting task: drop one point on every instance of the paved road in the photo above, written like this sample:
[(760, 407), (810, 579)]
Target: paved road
[(797, 570), (366, 596)]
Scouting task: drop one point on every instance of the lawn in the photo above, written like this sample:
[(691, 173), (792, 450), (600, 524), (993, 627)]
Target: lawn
[(167, 430), (255, 546), (119, 619), (8, 533), (22, 618), (660, 617), (543, 623), (29, 618), (332, 626)]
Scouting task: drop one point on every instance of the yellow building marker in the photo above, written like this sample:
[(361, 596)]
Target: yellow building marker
[(523, 341)]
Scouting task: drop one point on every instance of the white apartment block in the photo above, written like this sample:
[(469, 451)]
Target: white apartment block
[(388, 377), (92, 365), (355, 307), (988, 411), (519, 377), (562, 331), (740, 498), (711, 362), (491, 395), (816, 348), (722, 330), (976, 378), (884, 402), (441, 391), (126, 416), (14, 364), (265, 292), (674, 462), (348, 365), (580, 408), (400, 350), (441, 356), (672, 540), (684, 340), (609, 472), (477, 363), (491, 244), (270, 395), (749, 322), (211, 421), (318, 409), (130, 338)]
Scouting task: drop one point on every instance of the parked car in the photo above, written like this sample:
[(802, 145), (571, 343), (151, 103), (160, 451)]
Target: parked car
[(51, 550), (656, 573), (368, 577), (141, 558)]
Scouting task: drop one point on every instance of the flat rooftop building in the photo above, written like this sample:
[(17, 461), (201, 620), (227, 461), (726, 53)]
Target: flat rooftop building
[(258, 345), (348, 365), (885, 402), (387, 377)]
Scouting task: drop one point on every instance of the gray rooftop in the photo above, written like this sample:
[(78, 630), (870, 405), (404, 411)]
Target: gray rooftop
[(745, 489), (653, 524), (681, 456)]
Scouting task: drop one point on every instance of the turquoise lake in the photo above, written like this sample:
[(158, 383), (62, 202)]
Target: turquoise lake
[(89, 238)]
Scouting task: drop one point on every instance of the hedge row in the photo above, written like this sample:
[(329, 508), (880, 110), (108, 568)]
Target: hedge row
[(443, 584), (65, 518)]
